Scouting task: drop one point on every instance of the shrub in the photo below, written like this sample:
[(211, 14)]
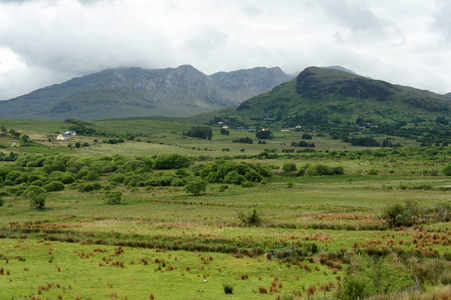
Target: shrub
[(288, 168), (252, 219), (373, 172), (196, 187), (114, 197), (1, 201), (447, 170), (36, 195), (172, 161), (228, 288), (354, 288), (247, 184), (54, 186), (401, 215), (68, 179), (117, 178)]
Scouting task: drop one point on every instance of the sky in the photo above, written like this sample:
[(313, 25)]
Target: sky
[(44, 42)]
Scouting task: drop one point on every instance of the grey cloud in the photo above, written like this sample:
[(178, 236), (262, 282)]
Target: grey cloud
[(206, 39), (443, 19), (357, 17)]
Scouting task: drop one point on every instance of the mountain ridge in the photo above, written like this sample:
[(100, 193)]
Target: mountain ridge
[(319, 95), (135, 92)]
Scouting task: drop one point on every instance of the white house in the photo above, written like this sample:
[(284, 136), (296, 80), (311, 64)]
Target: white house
[(70, 132), (62, 137)]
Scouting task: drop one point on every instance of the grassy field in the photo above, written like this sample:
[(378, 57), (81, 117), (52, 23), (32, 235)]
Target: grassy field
[(164, 243)]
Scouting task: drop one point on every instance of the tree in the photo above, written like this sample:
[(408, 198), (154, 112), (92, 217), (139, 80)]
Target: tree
[(196, 187), (36, 195), (201, 132), (114, 198), (25, 138), (264, 134), (78, 144)]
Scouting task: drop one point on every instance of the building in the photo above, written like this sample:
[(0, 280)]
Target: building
[(62, 137)]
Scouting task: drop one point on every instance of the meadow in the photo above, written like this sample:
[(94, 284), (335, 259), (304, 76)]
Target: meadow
[(162, 241)]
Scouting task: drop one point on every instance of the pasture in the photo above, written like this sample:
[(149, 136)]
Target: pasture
[(163, 242)]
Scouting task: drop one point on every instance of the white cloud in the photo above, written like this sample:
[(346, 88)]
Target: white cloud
[(50, 41)]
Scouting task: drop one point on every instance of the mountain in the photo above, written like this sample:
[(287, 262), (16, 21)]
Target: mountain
[(244, 84), (137, 92), (448, 95), (340, 68), (320, 95)]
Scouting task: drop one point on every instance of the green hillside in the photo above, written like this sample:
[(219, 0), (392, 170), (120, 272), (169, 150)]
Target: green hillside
[(326, 95)]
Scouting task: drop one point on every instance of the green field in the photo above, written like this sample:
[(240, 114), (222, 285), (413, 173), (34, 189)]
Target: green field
[(163, 242)]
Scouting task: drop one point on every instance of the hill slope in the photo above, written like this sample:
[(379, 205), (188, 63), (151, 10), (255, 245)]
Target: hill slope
[(319, 95), (136, 92)]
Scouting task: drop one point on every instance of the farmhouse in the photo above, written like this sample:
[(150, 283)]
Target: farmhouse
[(62, 137), (70, 132)]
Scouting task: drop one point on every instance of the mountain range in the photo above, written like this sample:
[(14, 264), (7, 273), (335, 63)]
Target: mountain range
[(137, 92), (324, 95)]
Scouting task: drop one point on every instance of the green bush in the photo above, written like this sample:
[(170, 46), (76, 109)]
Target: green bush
[(447, 170), (289, 168), (54, 186), (117, 178), (172, 161), (247, 184), (68, 178), (196, 187), (36, 195), (400, 215), (1, 201), (354, 288), (114, 197)]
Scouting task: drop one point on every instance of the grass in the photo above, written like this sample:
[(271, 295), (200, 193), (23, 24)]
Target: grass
[(60, 245)]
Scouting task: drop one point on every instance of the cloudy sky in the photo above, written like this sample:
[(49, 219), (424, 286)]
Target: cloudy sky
[(43, 42)]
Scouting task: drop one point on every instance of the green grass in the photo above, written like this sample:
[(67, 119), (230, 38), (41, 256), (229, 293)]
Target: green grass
[(336, 213)]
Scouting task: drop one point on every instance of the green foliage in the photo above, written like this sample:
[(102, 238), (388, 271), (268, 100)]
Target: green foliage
[(172, 161), (245, 140), (320, 170), (25, 138), (251, 219), (68, 178), (447, 170), (303, 144), (54, 186), (224, 131), (202, 132), (399, 215), (247, 184), (36, 195), (354, 288), (1, 201), (289, 168), (231, 172), (264, 134), (196, 187), (376, 276), (114, 197)]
